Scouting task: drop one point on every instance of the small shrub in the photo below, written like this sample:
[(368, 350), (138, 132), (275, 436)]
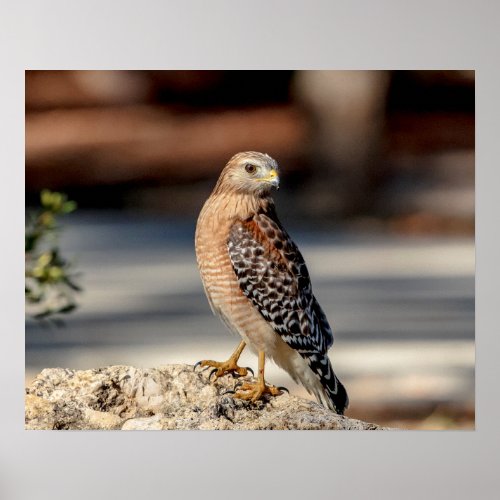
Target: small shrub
[(49, 281)]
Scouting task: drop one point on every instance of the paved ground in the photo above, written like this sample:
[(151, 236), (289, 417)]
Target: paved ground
[(402, 309)]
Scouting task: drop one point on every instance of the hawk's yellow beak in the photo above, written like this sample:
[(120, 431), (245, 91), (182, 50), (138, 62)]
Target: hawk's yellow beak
[(272, 178)]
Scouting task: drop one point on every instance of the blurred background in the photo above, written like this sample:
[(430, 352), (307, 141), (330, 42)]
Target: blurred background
[(377, 171)]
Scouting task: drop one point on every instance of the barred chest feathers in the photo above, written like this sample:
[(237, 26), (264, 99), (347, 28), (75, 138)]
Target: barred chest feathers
[(219, 279)]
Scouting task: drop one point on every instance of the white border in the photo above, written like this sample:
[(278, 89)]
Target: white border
[(234, 34)]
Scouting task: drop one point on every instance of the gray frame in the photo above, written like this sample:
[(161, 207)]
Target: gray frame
[(272, 34)]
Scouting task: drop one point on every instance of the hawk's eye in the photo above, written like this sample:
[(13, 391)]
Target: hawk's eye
[(250, 168)]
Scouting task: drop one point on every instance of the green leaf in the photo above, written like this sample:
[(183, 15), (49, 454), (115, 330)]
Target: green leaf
[(69, 206), (72, 285), (67, 309), (43, 314), (46, 198)]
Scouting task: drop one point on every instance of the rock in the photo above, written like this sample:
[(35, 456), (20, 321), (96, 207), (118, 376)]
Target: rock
[(167, 397)]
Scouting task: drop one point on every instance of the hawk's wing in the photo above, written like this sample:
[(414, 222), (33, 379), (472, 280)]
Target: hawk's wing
[(272, 274)]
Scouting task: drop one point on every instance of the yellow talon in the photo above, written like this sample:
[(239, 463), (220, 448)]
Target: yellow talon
[(229, 366), (253, 391), (248, 391)]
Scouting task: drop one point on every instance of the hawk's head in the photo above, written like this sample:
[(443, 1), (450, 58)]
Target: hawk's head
[(250, 172)]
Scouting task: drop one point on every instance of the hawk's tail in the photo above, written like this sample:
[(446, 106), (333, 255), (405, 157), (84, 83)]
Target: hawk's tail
[(314, 371), (330, 392), (339, 400)]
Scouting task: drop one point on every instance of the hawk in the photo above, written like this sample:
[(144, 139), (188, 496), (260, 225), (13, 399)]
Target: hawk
[(257, 282)]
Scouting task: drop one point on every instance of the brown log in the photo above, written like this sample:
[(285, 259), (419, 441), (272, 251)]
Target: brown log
[(130, 143)]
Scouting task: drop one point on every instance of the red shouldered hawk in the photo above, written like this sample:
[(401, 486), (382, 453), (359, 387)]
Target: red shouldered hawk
[(257, 282)]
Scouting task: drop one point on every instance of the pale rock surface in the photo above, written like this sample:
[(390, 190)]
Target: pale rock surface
[(167, 397)]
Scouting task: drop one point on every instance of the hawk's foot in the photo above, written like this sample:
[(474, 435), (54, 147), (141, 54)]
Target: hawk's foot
[(253, 391), (221, 368)]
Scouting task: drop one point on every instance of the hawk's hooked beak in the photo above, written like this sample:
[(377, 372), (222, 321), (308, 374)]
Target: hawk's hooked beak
[(272, 179)]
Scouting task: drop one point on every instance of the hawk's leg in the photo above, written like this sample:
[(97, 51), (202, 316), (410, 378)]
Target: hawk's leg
[(254, 391), (229, 366)]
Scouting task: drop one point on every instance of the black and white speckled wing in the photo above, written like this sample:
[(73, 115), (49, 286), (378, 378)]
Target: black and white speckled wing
[(272, 274)]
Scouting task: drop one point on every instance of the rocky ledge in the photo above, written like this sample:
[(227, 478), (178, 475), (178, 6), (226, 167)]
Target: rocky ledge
[(167, 397)]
